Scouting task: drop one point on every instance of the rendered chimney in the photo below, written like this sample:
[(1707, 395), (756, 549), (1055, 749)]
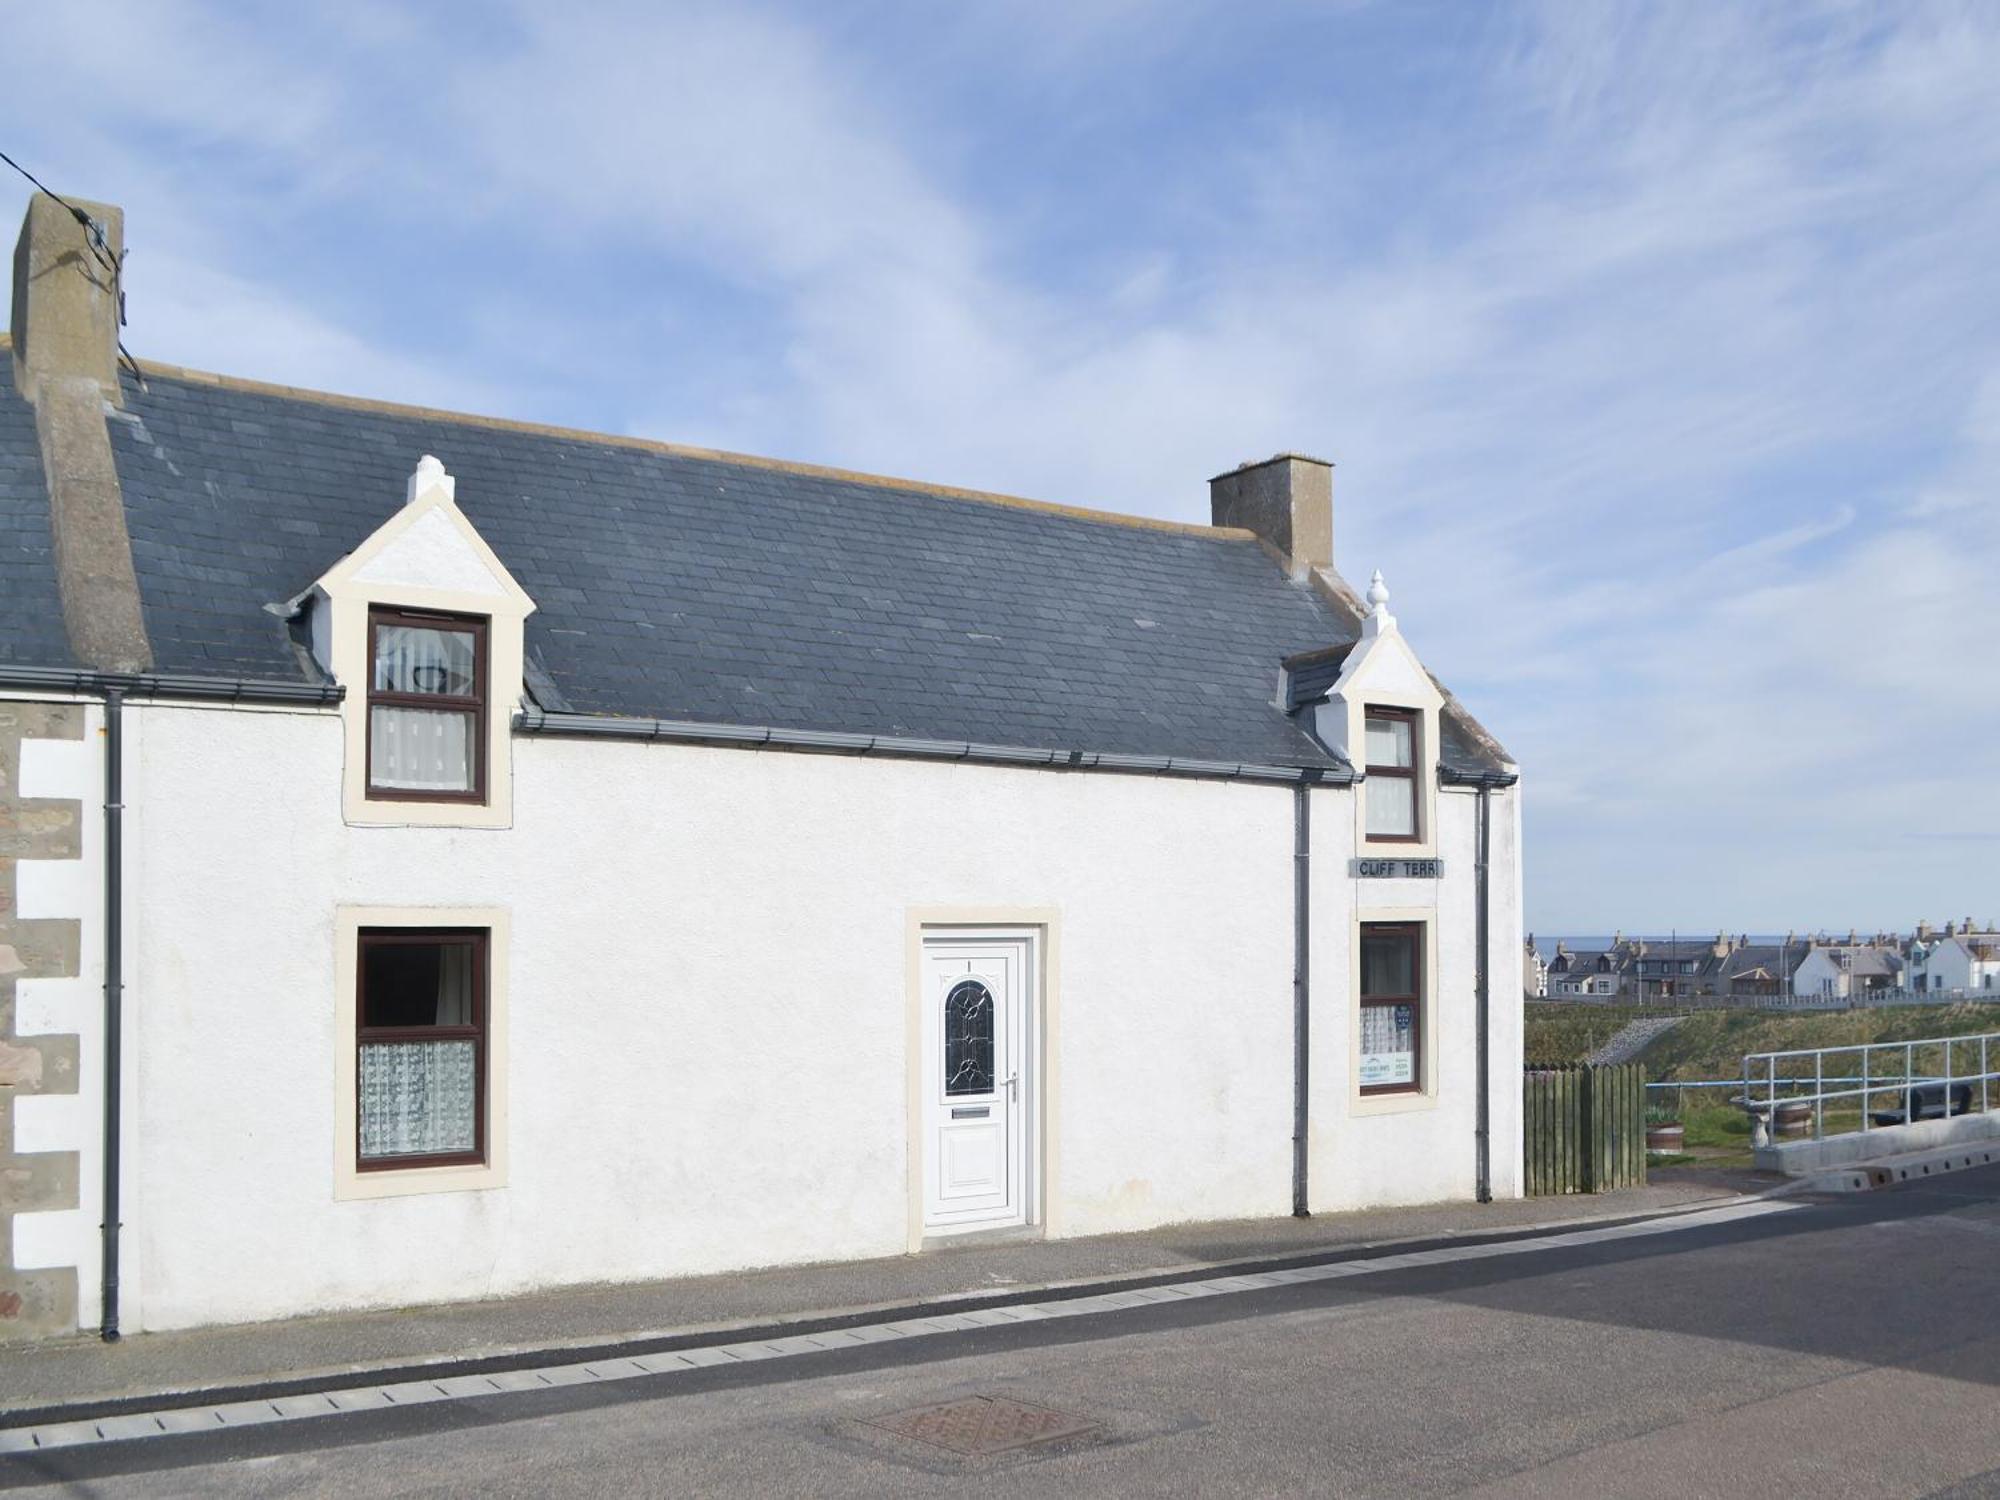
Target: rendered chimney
[(65, 316), (65, 340), (1287, 500)]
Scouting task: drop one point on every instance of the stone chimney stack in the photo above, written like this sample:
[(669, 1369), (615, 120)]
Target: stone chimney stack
[(65, 322), (1287, 500), (65, 351)]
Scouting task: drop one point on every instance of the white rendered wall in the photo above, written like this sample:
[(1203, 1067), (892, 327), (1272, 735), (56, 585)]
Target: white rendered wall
[(1817, 974), (707, 1006), (1423, 1149), (708, 1002), (1951, 966)]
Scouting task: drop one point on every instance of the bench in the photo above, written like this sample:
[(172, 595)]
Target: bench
[(1926, 1102)]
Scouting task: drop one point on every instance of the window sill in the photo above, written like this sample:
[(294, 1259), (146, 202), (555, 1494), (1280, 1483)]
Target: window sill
[(352, 1184), (398, 812), (1396, 849), (1361, 1105)]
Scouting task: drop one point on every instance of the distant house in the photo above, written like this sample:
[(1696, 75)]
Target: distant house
[(1641, 969), (1759, 971), (1844, 970), (1534, 970), (1583, 974), (1677, 969), (1959, 958)]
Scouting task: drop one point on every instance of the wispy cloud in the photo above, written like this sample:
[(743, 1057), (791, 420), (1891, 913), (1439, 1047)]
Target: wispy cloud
[(1657, 345)]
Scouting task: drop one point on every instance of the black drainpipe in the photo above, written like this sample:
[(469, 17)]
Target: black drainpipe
[(114, 992), (113, 687), (1483, 1160), (1301, 984)]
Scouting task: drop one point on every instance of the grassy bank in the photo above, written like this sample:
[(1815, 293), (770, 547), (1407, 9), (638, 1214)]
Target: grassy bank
[(1712, 1043)]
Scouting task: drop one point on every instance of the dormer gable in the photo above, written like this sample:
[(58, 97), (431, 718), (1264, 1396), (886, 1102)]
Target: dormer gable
[(422, 624), (1382, 681), (428, 549)]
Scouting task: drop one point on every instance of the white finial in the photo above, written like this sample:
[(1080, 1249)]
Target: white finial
[(1379, 618), (430, 473)]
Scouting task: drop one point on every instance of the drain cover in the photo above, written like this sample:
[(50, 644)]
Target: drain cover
[(983, 1424)]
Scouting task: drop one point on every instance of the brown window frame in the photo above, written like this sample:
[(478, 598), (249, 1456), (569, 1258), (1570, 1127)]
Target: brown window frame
[(368, 937), (1408, 773), (379, 616), (1414, 932)]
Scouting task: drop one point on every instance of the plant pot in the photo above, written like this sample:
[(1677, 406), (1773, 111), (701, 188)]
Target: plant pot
[(1794, 1118), (1665, 1140)]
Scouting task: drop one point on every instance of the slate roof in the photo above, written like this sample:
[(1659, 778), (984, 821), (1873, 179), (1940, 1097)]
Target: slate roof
[(1766, 959), (1310, 677), (673, 583), (1581, 961), (1863, 958), (1698, 951), (31, 624)]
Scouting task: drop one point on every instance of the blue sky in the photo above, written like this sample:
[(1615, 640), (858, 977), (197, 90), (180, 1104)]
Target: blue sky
[(1658, 346)]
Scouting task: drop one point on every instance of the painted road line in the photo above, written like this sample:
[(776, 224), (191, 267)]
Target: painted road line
[(170, 1421)]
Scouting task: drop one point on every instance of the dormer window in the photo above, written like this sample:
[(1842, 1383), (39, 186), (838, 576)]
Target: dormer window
[(1391, 775), (426, 706), (421, 625)]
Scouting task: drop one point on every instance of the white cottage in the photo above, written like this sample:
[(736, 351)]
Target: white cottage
[(517, 857), (1841, 971), (1960, 960)]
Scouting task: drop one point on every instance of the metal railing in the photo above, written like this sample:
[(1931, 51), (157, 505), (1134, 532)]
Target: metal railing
[(1882, 999), (1913, 1079)]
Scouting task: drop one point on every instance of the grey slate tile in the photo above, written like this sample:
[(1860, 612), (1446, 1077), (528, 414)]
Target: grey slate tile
[(694, 588)]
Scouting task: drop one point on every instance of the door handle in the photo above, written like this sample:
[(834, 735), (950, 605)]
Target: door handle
[(1013, 1087)]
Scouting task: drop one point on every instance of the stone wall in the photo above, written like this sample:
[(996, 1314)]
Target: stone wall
[(34, 1303)]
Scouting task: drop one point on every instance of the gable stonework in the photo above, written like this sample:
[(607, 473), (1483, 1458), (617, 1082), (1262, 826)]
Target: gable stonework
[(34, 1303)]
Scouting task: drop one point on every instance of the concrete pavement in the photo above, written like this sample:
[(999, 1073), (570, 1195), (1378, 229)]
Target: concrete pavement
[(84, 1369), (1849, 1345)]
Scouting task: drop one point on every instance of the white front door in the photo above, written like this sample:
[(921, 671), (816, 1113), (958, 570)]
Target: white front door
[(976, 1082)]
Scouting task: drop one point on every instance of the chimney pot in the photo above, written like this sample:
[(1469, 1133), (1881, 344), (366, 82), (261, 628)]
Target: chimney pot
[(1287, 500)]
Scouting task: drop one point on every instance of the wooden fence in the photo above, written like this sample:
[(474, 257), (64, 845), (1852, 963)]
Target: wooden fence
[(1584, 1129)]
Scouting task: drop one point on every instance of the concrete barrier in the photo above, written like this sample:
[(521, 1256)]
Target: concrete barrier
[(1887, 1171), (1799, 1158)]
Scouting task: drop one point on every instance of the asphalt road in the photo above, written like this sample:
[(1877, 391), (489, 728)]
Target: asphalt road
[(1848, 1348)]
